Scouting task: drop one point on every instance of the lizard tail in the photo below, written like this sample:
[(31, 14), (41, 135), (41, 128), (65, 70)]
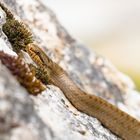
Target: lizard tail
[(113, 118)]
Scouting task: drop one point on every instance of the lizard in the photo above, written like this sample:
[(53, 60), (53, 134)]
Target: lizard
[(119, 122)]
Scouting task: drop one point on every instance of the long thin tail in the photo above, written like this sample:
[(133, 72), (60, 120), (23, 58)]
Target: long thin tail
[(113, 118)]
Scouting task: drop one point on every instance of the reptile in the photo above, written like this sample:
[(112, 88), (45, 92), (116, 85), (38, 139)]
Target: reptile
[(119, 122)]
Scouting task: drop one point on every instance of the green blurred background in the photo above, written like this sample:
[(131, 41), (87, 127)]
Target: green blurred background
[(109, 27)]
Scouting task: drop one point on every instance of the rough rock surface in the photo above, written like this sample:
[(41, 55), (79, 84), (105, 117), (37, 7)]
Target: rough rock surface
[(50, 115)]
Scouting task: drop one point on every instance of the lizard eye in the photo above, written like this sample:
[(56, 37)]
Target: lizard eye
[(37, 52)]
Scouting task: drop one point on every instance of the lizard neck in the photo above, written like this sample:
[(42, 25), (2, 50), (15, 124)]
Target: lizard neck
[(68, 87)]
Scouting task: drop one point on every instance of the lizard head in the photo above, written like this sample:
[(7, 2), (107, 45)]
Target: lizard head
[(43, 61), (34, 52), (39, 56)]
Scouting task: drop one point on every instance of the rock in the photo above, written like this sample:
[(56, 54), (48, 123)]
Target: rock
[(18, 118), (50, 115)]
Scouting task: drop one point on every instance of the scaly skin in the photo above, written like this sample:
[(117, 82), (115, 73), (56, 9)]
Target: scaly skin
[(113, 118)]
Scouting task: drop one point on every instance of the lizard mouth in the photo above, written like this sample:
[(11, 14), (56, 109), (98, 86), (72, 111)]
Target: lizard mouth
[(29, 48)]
